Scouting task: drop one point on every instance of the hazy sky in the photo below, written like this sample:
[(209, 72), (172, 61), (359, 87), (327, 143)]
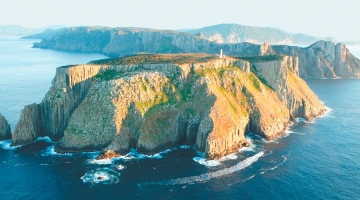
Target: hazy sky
[(339, 19)]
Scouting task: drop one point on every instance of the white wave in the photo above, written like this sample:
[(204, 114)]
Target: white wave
[(134, 154), (101, 176), (212, 163), (328, 113), (207, 163), (120, 167), (50, 151), (101, 161), (207, 176), (232, 156), (251, 147), (6, 144), (275, 167), (185, 146), (46, 139), (249, 178)]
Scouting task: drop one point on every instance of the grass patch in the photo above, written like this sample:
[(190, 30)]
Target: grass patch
[(143, 107), (156, 59), (261, 58), (108, 75)]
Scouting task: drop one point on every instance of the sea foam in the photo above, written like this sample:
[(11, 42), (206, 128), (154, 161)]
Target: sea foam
[(207, 176), (101, 176), (50, 151), (6, 144)]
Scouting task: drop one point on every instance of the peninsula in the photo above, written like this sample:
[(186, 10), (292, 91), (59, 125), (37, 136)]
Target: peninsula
[(152, 102)]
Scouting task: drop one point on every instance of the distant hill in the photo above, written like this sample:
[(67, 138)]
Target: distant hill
[(235, 33), (11, 30)]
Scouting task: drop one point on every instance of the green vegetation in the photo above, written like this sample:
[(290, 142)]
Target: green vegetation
[(108, 75), (261, 58), (144, 106), (255, 81), (156, 59), (75, 131)]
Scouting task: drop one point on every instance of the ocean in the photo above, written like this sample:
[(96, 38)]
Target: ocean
[(316, 160)]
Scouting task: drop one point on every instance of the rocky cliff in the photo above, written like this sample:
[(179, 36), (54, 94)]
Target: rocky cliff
[(282, 75), (322, 59), (123, 41), (154, 102), (5, 131)]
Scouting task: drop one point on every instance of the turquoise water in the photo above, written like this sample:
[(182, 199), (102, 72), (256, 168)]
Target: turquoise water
[(317, 160)]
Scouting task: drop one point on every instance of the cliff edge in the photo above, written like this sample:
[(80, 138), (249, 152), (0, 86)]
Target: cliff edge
[(323, 59), (155, 102)]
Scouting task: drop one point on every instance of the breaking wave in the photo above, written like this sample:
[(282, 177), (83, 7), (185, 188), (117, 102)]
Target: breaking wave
[(101, 176), (46, 139), (50, 151), (207, 163), (6, 144), (207, 176)]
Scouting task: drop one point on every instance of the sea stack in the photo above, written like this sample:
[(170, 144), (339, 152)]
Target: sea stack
[(5, 131)]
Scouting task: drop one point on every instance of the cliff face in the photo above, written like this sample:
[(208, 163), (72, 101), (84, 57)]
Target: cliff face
[(152, 107), (5, 131), (283, 76), (236, 33), (322, 59)]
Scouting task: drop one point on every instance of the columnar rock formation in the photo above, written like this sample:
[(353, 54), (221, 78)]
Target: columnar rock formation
[(154, 105), (5, 131), (283, 77)]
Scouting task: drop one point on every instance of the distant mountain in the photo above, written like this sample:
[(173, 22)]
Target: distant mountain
[(11, 30), (352, 43), (235, 33)]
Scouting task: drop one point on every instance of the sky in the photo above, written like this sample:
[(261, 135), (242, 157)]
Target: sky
[(339, 19)]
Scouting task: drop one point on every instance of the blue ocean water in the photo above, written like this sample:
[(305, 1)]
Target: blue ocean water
[(317, 160)]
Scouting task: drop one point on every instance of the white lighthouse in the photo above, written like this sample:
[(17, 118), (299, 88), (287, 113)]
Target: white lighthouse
[(221, 54)]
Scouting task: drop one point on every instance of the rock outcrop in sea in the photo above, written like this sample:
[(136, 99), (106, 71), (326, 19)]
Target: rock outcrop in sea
[(155, 102), (323, 59), (5, 131)]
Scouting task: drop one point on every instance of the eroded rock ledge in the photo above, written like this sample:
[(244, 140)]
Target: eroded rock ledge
[(155, 102)]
